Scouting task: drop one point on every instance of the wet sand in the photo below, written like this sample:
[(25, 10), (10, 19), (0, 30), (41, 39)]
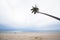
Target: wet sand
[(29, 36)]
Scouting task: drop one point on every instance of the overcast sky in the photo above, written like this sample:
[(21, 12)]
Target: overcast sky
[(17, 14)]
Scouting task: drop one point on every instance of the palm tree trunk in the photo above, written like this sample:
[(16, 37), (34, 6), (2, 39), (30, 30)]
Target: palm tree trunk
[(50, 16)]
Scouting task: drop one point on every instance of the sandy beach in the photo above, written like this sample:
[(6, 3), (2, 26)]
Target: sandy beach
[(29, 36)]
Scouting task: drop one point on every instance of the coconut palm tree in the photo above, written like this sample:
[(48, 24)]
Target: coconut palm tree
[(36, 10)]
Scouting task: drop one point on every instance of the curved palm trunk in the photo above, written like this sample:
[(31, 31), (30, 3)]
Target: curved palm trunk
[(50, 16)]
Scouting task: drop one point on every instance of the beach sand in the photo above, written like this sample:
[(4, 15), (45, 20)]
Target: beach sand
[(29, 36)]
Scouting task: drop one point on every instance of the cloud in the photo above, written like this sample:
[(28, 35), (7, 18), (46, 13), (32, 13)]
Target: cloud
[(17, 14), (53, 27)]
